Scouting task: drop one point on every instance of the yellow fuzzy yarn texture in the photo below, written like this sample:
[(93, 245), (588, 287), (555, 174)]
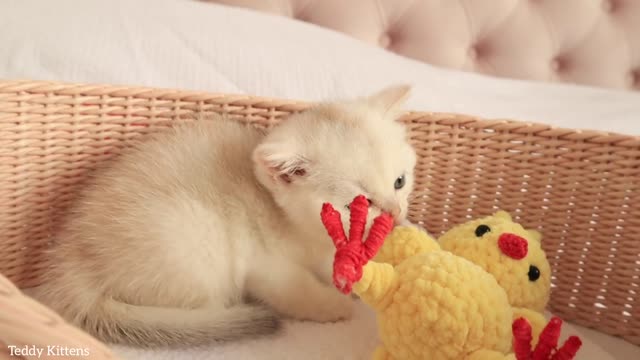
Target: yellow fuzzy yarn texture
[(404, 242), (434, 304), (528, 298), (411, 245)]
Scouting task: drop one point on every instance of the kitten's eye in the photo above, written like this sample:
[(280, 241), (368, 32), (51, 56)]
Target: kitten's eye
[(481, 230), (399, 183), (534, 273)]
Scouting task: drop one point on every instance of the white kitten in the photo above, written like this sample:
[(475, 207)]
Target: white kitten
[(167, 243)]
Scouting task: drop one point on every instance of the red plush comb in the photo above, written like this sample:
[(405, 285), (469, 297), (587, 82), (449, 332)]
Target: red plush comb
[(547, 347), (353, 253)]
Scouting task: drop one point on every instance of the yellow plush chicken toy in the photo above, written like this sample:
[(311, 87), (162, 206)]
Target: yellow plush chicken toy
[(502, 247), (432, 304), (513, 255)]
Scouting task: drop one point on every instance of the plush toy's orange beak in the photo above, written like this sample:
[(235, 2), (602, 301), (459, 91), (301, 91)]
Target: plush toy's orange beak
[(513, 246)]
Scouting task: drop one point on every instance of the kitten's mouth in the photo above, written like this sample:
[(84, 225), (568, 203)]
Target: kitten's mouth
[(396, 213)]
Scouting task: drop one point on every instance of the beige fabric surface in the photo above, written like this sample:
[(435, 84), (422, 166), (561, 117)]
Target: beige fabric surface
[(591, 42)]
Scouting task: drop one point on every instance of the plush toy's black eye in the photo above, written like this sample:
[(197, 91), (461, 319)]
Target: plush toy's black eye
[(534, 273), (399, 183), (481, 230)]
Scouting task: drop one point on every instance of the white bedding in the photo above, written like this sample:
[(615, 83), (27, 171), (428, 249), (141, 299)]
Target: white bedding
[(197, 46)]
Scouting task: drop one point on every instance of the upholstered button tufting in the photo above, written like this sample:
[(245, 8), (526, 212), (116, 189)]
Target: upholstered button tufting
[(634, 78), (473, 53), (385, 41), (478, 51), (609, 5), (301, 16), (595, 37), (558, 64)]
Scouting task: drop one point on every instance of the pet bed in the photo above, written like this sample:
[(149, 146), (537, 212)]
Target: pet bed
[(578, 187)]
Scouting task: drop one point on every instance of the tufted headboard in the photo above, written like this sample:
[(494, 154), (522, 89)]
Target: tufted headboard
[(590, 42)]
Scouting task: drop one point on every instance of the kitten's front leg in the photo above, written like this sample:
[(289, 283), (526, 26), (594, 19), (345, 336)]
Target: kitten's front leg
[(324, 272), (294, 291)]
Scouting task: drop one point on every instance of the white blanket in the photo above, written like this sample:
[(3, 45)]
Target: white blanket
[(199, 46)]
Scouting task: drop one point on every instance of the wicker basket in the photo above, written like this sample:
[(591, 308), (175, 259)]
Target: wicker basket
[(580, 188), (27, 324)]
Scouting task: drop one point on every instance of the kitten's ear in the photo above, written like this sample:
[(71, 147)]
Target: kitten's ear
[(281, 162), (390, 99)]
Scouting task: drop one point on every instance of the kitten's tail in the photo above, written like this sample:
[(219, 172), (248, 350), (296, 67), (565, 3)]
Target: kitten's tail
[(146, 326)]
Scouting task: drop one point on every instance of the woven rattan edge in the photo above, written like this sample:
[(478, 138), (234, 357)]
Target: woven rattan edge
[(293, 105)]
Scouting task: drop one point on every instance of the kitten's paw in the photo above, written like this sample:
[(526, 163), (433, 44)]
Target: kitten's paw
[(334, 308)]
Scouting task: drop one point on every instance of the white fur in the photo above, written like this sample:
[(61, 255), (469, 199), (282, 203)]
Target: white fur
[(170, 242)]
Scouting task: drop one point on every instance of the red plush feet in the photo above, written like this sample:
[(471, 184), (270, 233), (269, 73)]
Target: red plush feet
[(352, 253), (547, 347)]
